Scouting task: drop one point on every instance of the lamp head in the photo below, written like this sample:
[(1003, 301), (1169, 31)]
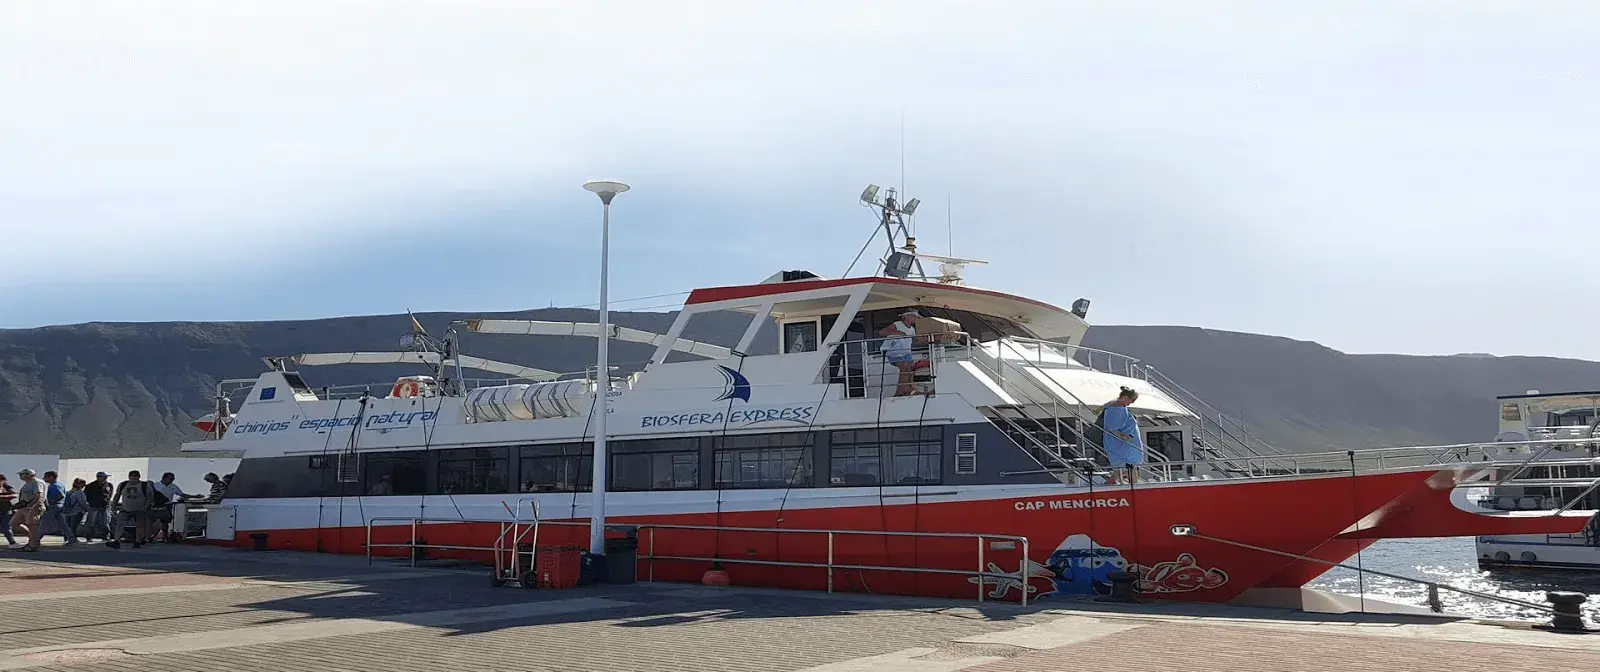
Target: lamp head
[(606, 189)]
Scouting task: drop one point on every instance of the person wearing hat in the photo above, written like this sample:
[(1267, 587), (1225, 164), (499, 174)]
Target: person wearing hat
[(96, 523), (896, 349), (26, 509)]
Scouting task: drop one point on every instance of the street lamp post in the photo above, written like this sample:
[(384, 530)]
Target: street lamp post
[(607, 190)]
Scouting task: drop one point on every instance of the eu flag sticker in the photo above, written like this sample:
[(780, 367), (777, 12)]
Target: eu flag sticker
[(268, 393)]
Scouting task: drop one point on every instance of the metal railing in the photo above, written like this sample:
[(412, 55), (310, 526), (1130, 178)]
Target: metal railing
[(1159, 466), (1220, 436), (982, 573), (1223, 433), (1228, 431), (506, 527), (1057, 411)]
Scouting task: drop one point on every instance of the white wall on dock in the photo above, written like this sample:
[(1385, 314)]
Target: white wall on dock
[(11, 464), (188, 472)]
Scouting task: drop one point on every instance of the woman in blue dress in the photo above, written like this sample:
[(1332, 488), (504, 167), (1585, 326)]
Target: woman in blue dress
[(1122, 443)]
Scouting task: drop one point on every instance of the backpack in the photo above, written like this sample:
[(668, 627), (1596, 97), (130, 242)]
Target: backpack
[(1095, 435), (157, 497), (138, 498)]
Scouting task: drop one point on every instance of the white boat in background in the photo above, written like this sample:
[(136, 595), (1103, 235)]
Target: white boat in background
[(1555, 477)]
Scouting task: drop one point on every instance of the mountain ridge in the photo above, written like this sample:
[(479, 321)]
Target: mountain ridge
[(132, 388)]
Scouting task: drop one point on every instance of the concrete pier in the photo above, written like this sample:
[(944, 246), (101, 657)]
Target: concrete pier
[(179, 608)]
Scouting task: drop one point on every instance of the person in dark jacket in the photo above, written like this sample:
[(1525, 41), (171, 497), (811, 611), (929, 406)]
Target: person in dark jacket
[(7, 494), (96, 525)]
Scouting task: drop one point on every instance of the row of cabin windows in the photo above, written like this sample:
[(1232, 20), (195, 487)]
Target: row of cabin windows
[(901, 456)]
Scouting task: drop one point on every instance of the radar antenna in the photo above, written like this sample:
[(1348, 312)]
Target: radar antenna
[(903, 261), (900, 261)]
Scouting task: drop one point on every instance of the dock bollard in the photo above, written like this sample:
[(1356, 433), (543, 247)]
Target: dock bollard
[(1565, 615), (1123, 586)]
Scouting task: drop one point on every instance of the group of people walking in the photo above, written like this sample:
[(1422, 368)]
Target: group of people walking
[(93, 509)]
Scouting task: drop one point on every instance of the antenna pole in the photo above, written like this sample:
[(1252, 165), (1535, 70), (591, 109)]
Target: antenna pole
[(949, 228), (902, 150)]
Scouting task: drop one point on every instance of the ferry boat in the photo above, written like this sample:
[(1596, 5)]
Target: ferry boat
[(966, 471), (1557, 476)]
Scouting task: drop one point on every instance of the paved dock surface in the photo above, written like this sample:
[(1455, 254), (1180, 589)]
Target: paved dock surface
[(180, 608)]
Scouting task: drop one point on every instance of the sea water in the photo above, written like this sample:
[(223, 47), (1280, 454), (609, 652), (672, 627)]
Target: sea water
[(1453, 562)]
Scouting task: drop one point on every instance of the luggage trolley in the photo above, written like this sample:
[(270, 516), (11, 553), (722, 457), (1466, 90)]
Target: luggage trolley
[(508, 554)]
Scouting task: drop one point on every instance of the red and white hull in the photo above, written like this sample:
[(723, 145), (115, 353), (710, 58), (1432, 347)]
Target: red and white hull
[(1128, 527)]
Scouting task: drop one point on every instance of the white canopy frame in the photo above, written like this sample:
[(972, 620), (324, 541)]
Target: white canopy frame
[(592, 330), (432, 358)]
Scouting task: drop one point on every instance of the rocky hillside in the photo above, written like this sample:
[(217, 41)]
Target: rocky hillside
[(132, 389)]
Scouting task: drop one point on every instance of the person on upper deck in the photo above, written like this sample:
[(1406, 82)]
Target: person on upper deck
[(896, 349), (1122, 443)]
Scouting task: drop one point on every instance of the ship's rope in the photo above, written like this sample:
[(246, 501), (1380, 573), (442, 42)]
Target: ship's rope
[(1355, 510), (577, 483), (722, 441), (350, 451), (811, 446), (322, 492)]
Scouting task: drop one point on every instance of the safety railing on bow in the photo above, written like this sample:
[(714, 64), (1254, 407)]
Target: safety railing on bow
[(985, 575), (1214, 424)]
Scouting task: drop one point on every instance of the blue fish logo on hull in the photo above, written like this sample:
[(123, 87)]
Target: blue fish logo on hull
[(736, 386)]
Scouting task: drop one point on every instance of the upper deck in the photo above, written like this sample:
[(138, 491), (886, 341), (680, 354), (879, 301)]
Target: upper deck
[(828, 372)]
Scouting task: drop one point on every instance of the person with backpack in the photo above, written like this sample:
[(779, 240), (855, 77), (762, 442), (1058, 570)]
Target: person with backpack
[(1121, 442), (55, 499), (133, 499), (77, 505)]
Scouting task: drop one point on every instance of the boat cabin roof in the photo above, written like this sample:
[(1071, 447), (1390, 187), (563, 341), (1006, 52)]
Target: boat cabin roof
[(812, 296), (1555, 402)]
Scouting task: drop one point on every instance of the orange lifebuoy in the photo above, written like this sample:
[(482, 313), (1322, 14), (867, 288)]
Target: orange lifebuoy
[(406, 388)]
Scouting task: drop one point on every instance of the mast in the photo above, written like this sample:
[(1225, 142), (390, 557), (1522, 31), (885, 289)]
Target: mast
[(899, 261)]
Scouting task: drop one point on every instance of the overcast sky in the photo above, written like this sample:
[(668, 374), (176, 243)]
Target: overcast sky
[(1376, 176)]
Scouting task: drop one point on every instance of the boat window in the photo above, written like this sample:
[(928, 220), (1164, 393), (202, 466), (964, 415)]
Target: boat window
[(565, 467), (655, 471), (854, 465), (778, 440), (800, 336), (888, 434), (468, 471), (395, 473), (917, 463), (678, 445), (762, 468)]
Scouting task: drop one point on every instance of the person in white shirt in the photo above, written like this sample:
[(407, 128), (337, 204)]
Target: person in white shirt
[(168, 487), (896, 349)]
